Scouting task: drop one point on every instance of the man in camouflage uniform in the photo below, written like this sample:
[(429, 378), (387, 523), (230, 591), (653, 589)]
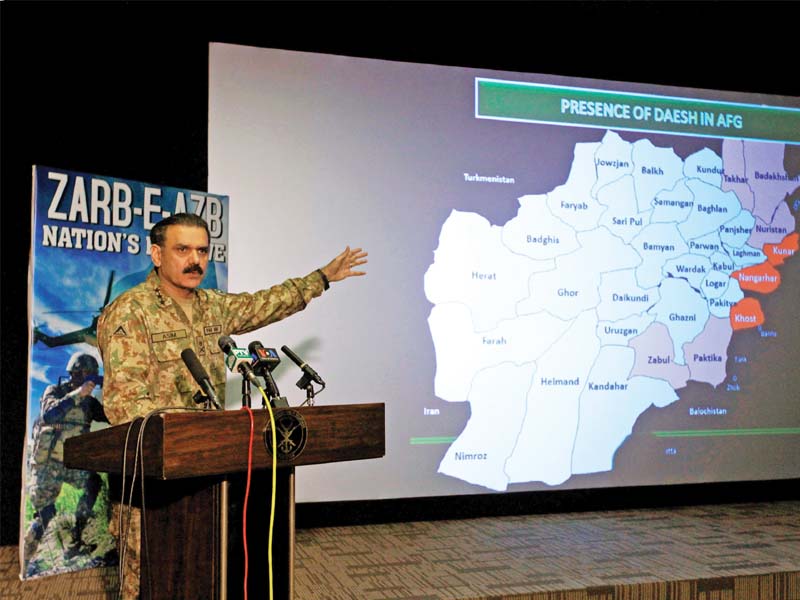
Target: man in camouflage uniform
[(67, 410), (142, 333)]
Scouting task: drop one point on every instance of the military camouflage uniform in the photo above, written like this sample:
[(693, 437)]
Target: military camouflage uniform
[(141, 336), (64, 414)]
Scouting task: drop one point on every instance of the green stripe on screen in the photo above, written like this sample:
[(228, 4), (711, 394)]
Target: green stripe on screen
[(420, 441), (727, 432)]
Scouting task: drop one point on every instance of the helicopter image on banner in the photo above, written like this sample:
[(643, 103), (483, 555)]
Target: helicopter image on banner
[(87, 334)]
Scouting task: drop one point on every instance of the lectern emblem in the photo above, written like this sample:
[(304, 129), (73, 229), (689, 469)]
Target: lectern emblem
[(291, 433)]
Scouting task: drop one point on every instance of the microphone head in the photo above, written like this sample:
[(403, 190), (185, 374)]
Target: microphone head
[(193, 364), (263, 358), (295, 359), (200, 375), (226, 343)]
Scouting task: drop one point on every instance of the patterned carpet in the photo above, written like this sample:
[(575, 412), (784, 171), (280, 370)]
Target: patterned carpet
[(91, 584), (591, 554), (730, 552)]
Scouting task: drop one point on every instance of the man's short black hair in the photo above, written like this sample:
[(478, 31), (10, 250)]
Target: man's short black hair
[(159, 232)]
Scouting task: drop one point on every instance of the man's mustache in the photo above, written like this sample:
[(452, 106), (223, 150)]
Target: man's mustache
[(194, 269)]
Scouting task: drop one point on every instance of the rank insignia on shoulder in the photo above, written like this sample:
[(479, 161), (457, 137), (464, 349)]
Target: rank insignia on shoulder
[(120, 332)]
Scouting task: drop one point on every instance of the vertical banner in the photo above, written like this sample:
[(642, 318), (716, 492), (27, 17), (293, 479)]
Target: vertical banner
[(90, 243)]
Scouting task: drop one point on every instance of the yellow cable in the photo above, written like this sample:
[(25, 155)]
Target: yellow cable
[(274, 485)]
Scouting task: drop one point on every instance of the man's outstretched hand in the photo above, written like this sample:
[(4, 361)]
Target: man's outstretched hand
[(342, 266)]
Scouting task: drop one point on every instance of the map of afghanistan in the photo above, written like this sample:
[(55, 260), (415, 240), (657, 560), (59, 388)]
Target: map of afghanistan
[(600, 299)]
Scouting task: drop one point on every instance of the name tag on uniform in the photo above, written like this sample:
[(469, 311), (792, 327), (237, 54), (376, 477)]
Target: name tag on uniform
[(212, 329), (168, 335)]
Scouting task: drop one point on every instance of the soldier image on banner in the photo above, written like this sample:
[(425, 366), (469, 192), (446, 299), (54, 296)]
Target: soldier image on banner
[(90, 243), (68, 408)]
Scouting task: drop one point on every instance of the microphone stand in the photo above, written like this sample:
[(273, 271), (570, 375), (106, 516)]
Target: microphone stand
[(275, 398), (200, 398), (310, 395), (305, 383), (245, 392)]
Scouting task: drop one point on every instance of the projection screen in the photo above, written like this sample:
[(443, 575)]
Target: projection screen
[(572, 283)]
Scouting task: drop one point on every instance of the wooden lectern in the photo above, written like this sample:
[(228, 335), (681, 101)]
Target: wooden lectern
[(195, 465)]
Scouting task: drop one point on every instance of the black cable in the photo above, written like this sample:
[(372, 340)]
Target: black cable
[(123, 532), (138, 465)]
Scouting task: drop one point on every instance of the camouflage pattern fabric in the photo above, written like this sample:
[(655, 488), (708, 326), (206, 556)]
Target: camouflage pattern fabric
[(46, 480), (142, 333), (64, 414), (131, 568), (141, 336)]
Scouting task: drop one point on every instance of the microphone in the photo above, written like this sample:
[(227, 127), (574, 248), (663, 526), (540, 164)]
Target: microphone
[(200, 375), (309, 372), (264, 359), (264, 362), (237, 359)]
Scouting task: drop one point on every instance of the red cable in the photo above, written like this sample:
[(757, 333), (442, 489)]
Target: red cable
[(247, 496)]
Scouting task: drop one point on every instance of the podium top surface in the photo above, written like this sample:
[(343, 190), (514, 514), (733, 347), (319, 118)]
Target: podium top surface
[(196, 444)]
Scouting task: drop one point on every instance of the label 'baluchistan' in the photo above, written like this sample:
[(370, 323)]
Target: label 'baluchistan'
[(707, 411)]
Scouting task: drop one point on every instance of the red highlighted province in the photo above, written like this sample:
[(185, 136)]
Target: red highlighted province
[(763, 278), (746, 313), (777, 253)]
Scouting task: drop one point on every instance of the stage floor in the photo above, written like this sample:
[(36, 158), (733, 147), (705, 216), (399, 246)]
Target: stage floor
[(676, 553), (723, 552)]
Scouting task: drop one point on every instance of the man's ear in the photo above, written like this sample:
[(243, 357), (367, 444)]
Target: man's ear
[(155, 254)]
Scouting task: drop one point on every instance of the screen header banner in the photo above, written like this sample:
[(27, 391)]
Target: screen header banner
[(582, 107)]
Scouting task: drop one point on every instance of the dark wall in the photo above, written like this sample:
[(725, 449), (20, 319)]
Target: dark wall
[(120, 89)]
